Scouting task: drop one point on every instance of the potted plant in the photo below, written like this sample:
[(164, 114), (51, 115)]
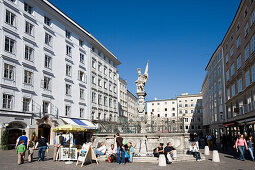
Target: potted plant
[(4, 140)]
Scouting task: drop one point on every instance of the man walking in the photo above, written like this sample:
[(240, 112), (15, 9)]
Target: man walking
[(42, 145)]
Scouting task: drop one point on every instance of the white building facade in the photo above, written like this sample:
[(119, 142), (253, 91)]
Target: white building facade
[(123, 100), (47, 66), (132, 112)]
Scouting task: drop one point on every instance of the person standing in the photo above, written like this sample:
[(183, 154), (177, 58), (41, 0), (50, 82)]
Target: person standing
[(209, 140), (131, 151), (240, 145), (24, 138), (250, 146), (21, 149), (120, 149), (59, 141), (31, 148), (42, 145)]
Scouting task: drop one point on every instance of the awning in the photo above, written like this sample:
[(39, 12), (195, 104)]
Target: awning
[(247, 120), (84, 123), (228, 124)]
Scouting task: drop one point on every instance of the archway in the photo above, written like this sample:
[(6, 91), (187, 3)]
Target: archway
[(44, 130), (15, 130)]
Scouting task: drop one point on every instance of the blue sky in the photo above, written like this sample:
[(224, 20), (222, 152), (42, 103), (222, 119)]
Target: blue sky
[(178, 37)]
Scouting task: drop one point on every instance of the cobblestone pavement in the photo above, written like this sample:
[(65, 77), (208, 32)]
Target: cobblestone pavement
[(8, 160)]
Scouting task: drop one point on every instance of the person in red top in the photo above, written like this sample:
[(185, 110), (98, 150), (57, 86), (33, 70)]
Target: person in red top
[(240, 145)]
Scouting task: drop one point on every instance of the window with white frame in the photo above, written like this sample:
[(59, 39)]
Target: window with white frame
[(47, 83), (68, 70), (110, 102), (94, 64), (99, 99), (246, 29), (26, 104), (29, 53), (247, 52), (115, 104), (82, 58), (28, 77), (105, 100), (247, 78), (253, 73), (47, 62), (68, 90), (110, 87), (10, 18), (67, 110), (93, 79), (110, 73), (232, 51), (232, 69), (105, 70), (114, 76), (93, 97), (114, 89), (233, 90), (81, 43), (7, 101), (68, 50), (105, 85), (252, 17), (28, 8), (46, 106), (81, 112), (48, 39), (29, 28), (9, 45), (81, 93), (227, 74), (100, 67), (68, 34), (8, 71), (47, 21), (99, 82), (253, 44), (186, 119), (13, 1), (238, 42), (81, 76), (239, 63), (239, 85)]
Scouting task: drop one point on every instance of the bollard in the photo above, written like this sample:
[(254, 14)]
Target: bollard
[(162, 160), (216, 157), (207, 152)]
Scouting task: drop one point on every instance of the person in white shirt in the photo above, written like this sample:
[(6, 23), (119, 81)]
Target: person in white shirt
[(101, 150), (195, 150), (112, 150)]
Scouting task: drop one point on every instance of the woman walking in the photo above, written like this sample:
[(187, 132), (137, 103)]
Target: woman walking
[(240, 145), (250, 146)]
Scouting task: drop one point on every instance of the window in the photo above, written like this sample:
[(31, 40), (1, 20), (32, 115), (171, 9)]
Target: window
[(99, 82), (180, 111), (239, 63), (47, 21), (110, 87), (46, 106), (99, 99), (26, 104), (100, 67), (247, 78), (29, 53), (105, 85), (67, 110), (246, 29), (93, 97), (68, 34), (68, 89), (253, 73), (105, 71), (226, 58), (68, 50), (28, 8), (8, 71), (82, 58), (93, 80), (81, 112), (48, 39), (29, 28), (47, 62), (232, 69), (165, 115), (80, 43), (94, 64), (7, 101), (110, 73), (173, 114), (238, 42), (165, 109), (239, 85), (247, 52), (110, 102), (105, 101), (227, 74), (9, 45), (219, 70), (81, 76), (68, 70), (47, 83), (114, 89), (252, 18), (253, 44), (152, 110), (233, 90), (186, 119), (81, 93), (228, 94), (232, 51), (10, 18), (191, 111), (28, 77), (186, 111), (180, 105)]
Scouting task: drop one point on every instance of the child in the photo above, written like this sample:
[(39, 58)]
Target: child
[(30, 151), (131, 151), (21, 149), (194, 149)]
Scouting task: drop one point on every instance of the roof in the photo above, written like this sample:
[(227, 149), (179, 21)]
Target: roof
[(160, 100), (131, 94), (81, 28)]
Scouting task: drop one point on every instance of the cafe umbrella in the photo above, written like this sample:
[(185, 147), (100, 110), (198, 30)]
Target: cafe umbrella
[(69, 129)]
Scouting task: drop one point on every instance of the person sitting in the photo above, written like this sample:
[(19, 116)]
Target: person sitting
[(194, 149), (131, 151), (159, 150), (101, 150), (127, 156), (170, 153), (112, 154)]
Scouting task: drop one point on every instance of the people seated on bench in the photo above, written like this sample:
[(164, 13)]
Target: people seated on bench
[(127, 156), (195, 150), (170, 153), (112, 154), (158, 150), (101, 150)]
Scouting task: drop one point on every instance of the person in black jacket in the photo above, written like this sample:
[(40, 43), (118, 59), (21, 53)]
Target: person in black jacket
[(42, 145), (120, 149)]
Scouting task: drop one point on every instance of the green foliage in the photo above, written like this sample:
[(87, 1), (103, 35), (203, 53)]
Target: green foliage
[(4, 140)]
